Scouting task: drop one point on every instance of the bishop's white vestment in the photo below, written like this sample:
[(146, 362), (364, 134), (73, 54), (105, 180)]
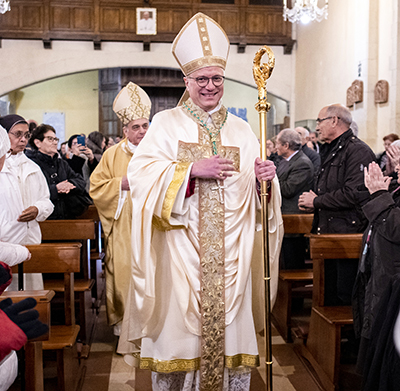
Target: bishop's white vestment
[(174, 236)]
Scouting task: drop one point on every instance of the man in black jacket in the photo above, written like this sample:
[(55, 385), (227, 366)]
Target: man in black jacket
[(335, 202)]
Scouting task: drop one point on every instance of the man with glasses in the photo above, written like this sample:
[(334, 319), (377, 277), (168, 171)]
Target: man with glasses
[(194, 195), (24, 195), (67, 188), (336, 202)]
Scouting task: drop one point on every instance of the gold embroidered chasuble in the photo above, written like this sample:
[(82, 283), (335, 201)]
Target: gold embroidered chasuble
[(105, 184), (175, 237), (212, 247)]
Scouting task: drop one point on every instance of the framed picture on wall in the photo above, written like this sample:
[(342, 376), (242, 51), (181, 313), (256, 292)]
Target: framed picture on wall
[(146, 21)]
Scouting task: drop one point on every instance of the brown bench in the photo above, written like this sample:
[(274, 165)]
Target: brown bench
[(292, 283), (97, 252), (82, 231), (326, 323), (33, 348), (61, 258), (289, 281)]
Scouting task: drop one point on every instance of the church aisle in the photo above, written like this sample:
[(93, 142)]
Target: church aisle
[(105, 370)]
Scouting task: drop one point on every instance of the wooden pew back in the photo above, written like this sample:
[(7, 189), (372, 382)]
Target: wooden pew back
[(71, 230), (57, 258), (68, 230), (93, 214), (330, 246), (297, 223)]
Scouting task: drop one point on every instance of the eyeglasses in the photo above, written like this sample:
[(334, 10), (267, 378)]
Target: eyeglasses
[(20, 134), (203, 81), (319, 120), (52, 139)]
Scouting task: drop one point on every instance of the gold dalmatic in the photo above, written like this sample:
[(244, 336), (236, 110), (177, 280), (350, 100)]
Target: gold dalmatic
[(212, 248)]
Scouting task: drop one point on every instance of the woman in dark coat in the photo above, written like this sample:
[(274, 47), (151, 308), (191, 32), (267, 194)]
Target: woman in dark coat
[(379, 265), (67, 188), (97, 143)]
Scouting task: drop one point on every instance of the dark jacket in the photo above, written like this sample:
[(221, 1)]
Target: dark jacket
[(296, 178), (56, 170), (97, 151), (381, 263), (337, 208), (313, 156), (382, 361)]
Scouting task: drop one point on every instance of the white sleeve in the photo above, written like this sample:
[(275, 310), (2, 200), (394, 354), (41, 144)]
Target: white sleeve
[(13, 254)]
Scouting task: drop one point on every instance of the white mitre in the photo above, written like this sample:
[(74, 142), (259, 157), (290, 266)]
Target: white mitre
[(132, 103), (201, 43)]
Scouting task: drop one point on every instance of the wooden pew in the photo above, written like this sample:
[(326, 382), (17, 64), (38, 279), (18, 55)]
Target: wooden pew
[(61, 258), (33, 348), (326, 323), (97, 253), (298, 223), (292, 283), (82, 231)]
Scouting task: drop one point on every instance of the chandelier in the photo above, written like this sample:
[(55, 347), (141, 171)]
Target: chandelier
[(305, 11), (4, 6)]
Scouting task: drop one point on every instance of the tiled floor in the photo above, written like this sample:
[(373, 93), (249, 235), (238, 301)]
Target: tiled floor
[(104, 370)]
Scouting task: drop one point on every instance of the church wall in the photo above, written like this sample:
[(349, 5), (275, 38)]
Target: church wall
[(357, 41), (27, 62), (76, 96), (67, 57)]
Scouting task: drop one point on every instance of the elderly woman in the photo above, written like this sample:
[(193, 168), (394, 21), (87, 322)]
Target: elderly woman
[(24, 195), (67, 188), (378, 273)]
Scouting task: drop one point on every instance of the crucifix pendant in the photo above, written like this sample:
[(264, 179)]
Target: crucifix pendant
[(219, 187)]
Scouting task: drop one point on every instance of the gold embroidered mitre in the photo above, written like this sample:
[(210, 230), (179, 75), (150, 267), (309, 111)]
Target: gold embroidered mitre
[(201, 43), (132, 103)]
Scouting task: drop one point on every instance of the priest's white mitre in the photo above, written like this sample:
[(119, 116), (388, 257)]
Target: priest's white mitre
[(132, 103), (201, 43)]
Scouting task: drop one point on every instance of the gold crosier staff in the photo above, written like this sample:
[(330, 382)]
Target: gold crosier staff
[(261, 73)]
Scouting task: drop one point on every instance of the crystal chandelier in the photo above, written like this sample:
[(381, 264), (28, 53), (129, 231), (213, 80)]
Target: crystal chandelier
[(305, 11), (4, 6)]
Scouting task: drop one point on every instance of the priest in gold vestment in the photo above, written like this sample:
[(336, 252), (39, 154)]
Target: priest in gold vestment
[(193, 184), (109, 189)]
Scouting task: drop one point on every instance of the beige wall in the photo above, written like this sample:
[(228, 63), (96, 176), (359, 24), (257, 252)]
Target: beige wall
[(74, 95), (77, 94), (327, 58), (68, 57)]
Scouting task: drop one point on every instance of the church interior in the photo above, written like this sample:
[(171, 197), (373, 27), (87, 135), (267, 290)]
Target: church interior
[(64, 61)]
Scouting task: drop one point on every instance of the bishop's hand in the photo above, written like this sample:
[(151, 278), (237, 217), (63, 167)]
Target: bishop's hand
[(265, 169), (214, 167)]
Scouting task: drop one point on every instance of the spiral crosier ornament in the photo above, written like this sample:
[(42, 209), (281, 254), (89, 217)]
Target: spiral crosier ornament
[(261, 74)]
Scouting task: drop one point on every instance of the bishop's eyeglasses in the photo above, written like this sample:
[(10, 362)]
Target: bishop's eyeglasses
[(203, 81)]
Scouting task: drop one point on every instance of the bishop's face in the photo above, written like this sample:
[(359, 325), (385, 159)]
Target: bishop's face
[(136, 130), (207, 97)]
